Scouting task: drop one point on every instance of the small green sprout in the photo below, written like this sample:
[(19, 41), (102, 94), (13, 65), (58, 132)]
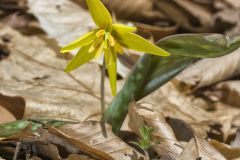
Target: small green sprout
[(145, 140), (109, 39)]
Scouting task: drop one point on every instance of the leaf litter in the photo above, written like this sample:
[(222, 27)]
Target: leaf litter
[(196, 116)]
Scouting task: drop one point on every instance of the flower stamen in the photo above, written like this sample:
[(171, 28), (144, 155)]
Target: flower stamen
[(111, 40), (101, 32)]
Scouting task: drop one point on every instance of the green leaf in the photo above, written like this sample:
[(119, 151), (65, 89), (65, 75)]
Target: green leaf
[(199, 45), (167, 68), (12, 128), (82, 57), (82, 41), (151, 72), (122, 29), (100, 14), (136, 42), (111, 64)]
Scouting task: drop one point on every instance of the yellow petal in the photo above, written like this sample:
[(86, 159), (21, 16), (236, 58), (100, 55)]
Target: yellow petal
[(82, 41), (100, 14), (122, 29), (111, 64), (136, 42), (118, 48), (82, 57)]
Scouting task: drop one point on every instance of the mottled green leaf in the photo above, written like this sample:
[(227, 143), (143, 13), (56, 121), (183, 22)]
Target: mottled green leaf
[(199, 45), (151, 71)]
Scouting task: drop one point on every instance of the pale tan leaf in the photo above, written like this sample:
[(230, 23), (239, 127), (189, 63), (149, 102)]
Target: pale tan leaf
[(236, 142), (199, 12), (33, 72), (211, 70), (234, 3), (200, 149), (63, 20), (90, 137), (6, 116), (168, 147)]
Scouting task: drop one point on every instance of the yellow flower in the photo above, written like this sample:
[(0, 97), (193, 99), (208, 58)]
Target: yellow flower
[(108, 39)]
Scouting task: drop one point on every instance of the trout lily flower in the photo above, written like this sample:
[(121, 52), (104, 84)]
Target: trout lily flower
[(108, 39)]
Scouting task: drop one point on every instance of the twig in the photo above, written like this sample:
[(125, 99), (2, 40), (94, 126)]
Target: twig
[(104, 131), (146, 154), (16, 150), (103, 88)]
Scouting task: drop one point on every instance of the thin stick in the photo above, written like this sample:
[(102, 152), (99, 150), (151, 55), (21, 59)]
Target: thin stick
[(146, 154), (16, 150), (104, 130), (103, 88)]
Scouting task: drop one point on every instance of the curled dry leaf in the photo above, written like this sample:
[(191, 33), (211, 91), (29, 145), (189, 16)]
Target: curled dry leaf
[(227, 151), (33, 73), (210, 71), (168, 147), (90, 137), (236, 142), (203, 15), (187, 14), (228, 92), (233, 3), (6, 116), (227, 18), (200, 149), (9, 111)]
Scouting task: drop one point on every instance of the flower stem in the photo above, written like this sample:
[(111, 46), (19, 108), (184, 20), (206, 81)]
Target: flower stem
[(103, 88)]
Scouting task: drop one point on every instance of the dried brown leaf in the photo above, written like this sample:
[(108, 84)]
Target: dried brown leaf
[(6, 116), (62, 20), (236, 142), (200, 149), (14, 107), (187, 14), (227, 151), (228, 92), (33, 73), (89, 137)]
